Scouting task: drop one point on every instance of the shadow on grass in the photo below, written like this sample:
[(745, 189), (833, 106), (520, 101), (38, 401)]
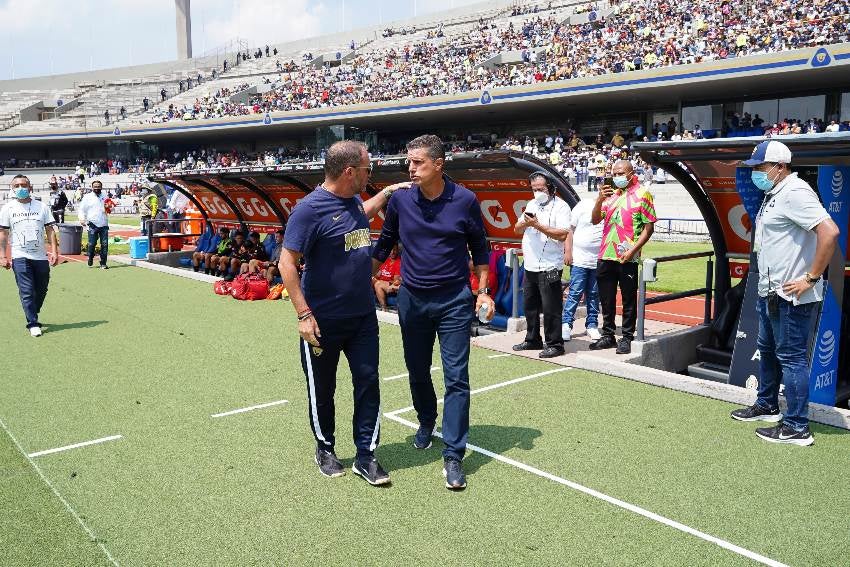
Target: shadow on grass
[(52, 328), (495, 438)]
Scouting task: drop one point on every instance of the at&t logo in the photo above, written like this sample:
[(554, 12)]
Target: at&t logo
[(837, 183), (826, 347)]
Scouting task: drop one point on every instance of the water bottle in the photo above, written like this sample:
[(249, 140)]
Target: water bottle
[(482, 313)]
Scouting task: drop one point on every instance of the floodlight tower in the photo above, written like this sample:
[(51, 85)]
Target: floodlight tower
[(184, 29)]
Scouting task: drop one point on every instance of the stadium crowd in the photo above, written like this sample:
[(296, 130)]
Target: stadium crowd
[(635, 35)]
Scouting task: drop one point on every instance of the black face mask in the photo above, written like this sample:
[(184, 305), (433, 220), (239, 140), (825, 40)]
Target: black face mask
[(96, 192)]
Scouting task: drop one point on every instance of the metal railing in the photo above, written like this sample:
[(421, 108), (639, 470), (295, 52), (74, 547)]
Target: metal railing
[(650, 264)]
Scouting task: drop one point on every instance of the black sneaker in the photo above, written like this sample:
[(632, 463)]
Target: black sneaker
[(422, 439), (453, 471), (624, 346), (756, 413), (371, 471), (329, 465), (552, 352), (528, 345), (90, 263), (603, 343), (784, 434), (104, 267)]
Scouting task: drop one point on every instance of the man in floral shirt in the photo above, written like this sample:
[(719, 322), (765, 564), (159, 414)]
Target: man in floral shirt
[(628, 214)]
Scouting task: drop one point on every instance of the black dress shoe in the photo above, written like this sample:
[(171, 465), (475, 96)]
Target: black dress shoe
[(603, 343), (527, 345), (552, 352), (624, 346)]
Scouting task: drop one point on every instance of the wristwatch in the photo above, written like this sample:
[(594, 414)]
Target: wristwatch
[(387, 192), (484, 291), (812, 279)]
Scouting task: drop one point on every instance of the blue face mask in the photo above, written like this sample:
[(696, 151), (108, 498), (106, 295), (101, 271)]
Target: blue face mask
[(621, 181), (22, 192), (761, 180)]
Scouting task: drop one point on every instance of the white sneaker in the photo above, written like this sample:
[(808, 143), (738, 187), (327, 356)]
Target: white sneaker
[(35, 331), (593, 333), (566, 331)]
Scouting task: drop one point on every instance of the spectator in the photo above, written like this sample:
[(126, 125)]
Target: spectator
[(628, 218), (581, 252), (58, 201), (543, 226)]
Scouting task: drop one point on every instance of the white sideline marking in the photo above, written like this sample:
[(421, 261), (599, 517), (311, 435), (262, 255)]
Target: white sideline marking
[(610, 499), (252, 408), (74, 446), (491, 387), (406, 374), (59, 496), (499, 355)]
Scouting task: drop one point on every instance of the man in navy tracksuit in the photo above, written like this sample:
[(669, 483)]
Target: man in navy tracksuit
[(439, 224), (329, 228)]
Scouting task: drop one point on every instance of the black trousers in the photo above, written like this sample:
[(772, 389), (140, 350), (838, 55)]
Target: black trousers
[(547, 298), (357, 339), (610, 274)]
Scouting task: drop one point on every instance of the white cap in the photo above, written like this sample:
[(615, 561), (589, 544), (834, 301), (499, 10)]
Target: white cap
[(769, 151)]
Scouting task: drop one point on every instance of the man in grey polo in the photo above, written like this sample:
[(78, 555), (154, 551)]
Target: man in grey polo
[(795, 239)]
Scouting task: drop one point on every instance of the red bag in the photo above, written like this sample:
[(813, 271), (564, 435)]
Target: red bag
[(222, 287), (250, 287)]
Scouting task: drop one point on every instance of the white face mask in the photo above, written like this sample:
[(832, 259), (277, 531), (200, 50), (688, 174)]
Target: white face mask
[(541, 196)]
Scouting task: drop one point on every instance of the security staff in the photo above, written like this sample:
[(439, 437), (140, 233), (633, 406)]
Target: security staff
[(329, 228), (439, 224), (92, 214), (795, 239), (543, 226)]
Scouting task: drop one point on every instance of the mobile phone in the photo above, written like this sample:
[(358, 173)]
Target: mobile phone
[(532, 215), (609, 181)]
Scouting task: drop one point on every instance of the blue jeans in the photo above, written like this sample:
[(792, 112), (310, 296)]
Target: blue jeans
[(783, 342), (32, 277), (424, 316), (582, 282), (95, 233)]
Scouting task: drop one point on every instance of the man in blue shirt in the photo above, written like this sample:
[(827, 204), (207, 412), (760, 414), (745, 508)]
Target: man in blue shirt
[(329, 228), (439, 224)]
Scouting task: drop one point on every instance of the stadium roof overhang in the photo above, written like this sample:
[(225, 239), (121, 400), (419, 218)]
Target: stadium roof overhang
[(261, 198), (712, 174)]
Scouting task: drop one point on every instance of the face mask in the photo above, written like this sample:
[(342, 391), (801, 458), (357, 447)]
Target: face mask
[(22, 192), (541, 197), (96, 192), (621, 181), (761, 179)]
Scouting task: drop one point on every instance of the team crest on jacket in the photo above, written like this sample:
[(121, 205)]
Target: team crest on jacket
[(317, 351)]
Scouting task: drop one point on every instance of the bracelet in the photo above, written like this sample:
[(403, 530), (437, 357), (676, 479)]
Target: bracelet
[(387, 193), (304, 312), (305, 316)]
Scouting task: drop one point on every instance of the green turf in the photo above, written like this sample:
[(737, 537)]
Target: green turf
[(126, 220), (151, 357)]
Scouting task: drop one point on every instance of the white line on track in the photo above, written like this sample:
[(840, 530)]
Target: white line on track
[(499, 355), (405, 375), (491, 387), (610, 499), (252, 408), (59, 496), (74, 446)]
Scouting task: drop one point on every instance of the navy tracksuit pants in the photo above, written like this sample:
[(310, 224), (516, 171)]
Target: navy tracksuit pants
[(423, 316), (357, 338)]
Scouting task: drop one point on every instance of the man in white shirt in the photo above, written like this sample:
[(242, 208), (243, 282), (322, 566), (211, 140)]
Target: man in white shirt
[(581, 252), (92, 214), (27, 219), (543, 226)]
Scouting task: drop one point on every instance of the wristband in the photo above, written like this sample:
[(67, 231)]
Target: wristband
[(305, 316)]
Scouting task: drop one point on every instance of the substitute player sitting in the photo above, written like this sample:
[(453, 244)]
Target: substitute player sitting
[(388, 279)]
